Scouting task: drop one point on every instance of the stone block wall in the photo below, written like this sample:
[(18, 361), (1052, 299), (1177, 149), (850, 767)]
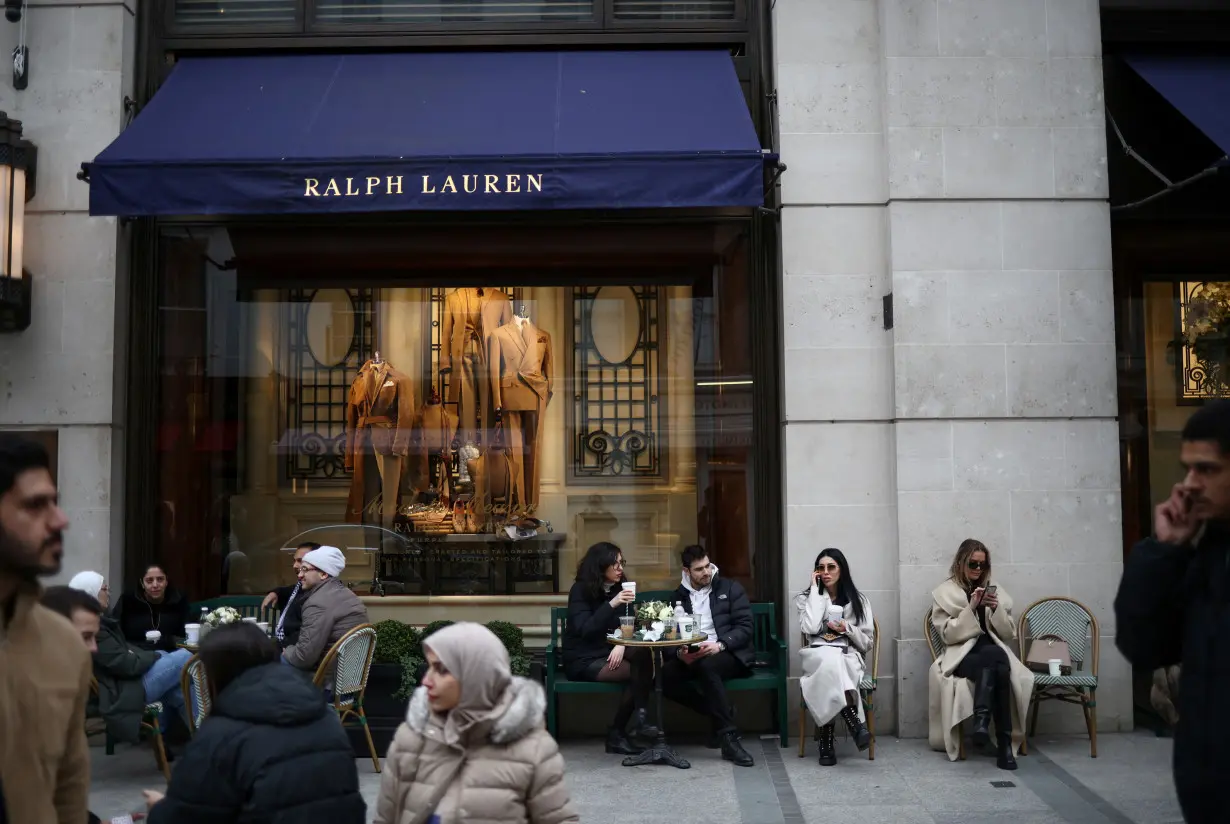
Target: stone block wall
[(61, 372), (951, 152)]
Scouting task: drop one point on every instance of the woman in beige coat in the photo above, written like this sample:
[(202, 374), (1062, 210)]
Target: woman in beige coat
[(473, 749), (973, 616)]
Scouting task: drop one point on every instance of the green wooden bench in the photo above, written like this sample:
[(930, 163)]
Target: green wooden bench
[(768, 673), (248, 606)]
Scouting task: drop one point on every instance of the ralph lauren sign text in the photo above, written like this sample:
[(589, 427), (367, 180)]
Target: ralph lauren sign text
[(374, 186)]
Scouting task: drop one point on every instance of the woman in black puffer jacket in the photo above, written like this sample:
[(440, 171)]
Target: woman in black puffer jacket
[(271, 750)]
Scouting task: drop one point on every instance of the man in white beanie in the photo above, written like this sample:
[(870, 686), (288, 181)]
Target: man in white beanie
[(330, 609)]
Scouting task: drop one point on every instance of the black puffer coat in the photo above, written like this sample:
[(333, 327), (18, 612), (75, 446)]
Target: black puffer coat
[(138, 616), (1173, 607), (270, 752), (589, 622)]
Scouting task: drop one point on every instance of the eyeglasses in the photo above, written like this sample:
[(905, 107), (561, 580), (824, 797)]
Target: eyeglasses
[(828, 568), (619, 563), (977, 564)]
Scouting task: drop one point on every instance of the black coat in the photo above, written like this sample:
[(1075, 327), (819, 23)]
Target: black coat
[(270, 752), (589, 622), (138, 616), (119, 667), (1172, 608), (732, 616)]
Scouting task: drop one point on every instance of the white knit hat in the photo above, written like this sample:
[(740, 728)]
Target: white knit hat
[(91, 583), (328, 559)]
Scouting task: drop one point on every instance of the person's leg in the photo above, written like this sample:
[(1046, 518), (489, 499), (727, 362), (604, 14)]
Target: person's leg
[(1001, 706), (162, 683), (617, 742), (676, 685), (711, 673)]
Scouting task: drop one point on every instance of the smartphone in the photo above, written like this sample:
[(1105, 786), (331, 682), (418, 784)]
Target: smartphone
[(693, 647), (989, 590)]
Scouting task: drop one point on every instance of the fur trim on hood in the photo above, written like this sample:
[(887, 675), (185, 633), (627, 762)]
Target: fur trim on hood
[(523, 715)]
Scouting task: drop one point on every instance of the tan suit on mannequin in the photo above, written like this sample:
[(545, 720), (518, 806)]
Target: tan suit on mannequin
[(469, 318), (434, 428), (520, 364), (379, 422)]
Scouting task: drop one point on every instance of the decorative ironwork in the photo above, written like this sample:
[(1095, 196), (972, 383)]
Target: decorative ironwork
[(617, 407), (1194, 385), (316, 393)]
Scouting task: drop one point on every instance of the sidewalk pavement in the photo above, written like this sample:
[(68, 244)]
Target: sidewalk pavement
[(1058, 783)]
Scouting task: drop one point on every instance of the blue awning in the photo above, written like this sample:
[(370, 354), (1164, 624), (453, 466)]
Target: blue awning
[(327, 133), (1199, 87)]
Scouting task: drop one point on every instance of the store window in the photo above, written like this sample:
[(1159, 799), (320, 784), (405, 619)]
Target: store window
[(456, 427)]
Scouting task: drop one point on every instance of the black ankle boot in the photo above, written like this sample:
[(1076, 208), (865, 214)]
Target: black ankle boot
[(618, 744), (858, 730), (732, 750), (982, 708), (641, 728), (1004, 759), (828, 746)]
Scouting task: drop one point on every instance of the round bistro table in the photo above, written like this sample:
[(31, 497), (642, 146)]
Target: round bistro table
[(660, 752)]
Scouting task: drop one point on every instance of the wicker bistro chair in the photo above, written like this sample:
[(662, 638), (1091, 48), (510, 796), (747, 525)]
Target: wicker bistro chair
[(866, 691), (197, 694), (347, 665), (935, 643), (149, 729), (1072, 621)]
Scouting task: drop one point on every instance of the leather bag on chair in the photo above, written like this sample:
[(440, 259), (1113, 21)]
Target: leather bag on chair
[(1044, 649)]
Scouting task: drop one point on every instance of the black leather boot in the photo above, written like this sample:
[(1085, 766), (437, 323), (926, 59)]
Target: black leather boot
[(732, 750), (618, 744), (858, 730), (983, 695), (641, 728), (1004, 759), (828, 746)]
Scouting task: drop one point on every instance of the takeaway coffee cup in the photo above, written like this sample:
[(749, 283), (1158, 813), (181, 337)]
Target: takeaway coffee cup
[(631, 586), (153, 636), (194, 633), (687, 627), (264, 626), (1053, 665), (832, 613), (627, 625), (250, 620)]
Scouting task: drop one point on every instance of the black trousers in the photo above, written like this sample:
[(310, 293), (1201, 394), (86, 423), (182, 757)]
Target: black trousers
[(987, 655), (709, 674)]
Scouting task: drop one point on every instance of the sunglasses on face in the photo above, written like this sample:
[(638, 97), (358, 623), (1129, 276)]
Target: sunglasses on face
[(827, 568), (977, 564)]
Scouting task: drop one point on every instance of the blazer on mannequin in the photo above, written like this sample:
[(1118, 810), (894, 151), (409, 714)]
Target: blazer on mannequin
[(379, 422), (519, 364), (468, 315)]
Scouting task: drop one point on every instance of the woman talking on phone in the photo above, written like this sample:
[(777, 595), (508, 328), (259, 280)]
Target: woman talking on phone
[(973, 616)]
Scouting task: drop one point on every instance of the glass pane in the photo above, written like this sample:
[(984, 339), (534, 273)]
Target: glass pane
[(666, 10), (419, 12), (413, 425), (195, 13)]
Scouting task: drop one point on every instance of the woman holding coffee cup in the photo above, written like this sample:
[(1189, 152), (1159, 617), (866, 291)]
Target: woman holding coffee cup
[(837, 620), (156, 607), (596, 603), (130, 676), (973, 616)]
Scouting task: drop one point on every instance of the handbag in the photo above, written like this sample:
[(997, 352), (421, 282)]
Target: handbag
[(1046, 647)]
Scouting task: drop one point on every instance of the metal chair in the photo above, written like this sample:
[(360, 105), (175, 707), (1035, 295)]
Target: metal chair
[(149, 727), (866, 691), (935, 643), (1075, 623), (347, 665), (197, 695)]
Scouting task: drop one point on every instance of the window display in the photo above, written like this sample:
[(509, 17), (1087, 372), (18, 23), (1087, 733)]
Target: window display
[(456, 438)]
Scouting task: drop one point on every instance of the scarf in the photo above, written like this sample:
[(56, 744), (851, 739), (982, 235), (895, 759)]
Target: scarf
[(279, 631), (479, 662), (91, 583)]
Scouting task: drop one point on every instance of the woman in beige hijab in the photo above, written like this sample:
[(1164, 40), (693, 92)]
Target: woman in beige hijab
[(473, 747)]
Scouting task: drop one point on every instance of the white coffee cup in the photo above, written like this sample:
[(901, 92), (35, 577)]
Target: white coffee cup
[(250, 620), (833, 613), (193, 631), (1053, 665), (153, 636), (687, 627), (264, 626), (630, 586)]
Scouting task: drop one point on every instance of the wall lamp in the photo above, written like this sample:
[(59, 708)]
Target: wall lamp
[(18, 162)]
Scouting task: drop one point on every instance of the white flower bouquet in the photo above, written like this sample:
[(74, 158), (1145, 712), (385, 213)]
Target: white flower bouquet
[(223, 616)]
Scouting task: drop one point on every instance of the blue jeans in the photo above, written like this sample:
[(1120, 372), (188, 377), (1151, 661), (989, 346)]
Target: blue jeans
[(161, 683)]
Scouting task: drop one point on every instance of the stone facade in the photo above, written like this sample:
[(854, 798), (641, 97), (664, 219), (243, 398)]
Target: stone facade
[(62, 372), (953, 153)]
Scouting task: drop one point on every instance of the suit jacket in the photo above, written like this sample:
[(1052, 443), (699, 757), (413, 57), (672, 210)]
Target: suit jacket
[(382, 401), (434, 428), (462, 309), (519, 362)]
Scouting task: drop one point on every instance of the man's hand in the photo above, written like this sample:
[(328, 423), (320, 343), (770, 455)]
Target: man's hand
[(615, 658), (1172, 520), (270, 600)]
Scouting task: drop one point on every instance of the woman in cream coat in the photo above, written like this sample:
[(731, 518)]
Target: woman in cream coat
[(835, 658), (474, 749), (973, 616)]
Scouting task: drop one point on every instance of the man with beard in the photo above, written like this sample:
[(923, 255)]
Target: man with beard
[(1172, 609), (44, 667)]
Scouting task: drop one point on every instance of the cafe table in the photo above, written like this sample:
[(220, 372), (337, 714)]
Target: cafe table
[(660, 752)]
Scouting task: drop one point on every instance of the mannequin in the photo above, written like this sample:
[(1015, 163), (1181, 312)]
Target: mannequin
[(471, 314), (434, 429), (379, 420), (520, 364)]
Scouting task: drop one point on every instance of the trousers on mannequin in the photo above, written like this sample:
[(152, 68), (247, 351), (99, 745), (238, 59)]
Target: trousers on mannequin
[(470, 391), (389, 467)]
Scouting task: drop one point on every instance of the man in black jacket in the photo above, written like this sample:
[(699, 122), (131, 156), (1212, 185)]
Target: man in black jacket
[(289, 600), (724, 614), (1172, 609)]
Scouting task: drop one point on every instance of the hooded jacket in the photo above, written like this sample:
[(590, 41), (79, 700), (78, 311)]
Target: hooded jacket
[(137, 616), (271, 751), (118, 668), (329, 611), (514, 775), (731, 610)]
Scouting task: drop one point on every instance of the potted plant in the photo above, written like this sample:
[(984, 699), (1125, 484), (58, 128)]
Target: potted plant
[(414, 662)]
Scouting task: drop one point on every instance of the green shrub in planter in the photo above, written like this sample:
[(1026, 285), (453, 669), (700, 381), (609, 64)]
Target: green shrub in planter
[(510, 636), (430, 628), (394, 641), (409, 675)]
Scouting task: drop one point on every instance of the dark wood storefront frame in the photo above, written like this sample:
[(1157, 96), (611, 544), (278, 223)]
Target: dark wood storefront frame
[(749, 43)]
